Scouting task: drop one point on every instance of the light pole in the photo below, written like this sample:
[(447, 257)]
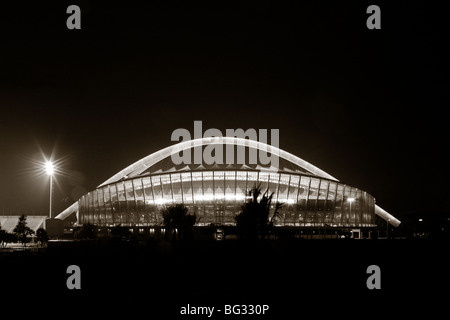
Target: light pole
[(49, 169)]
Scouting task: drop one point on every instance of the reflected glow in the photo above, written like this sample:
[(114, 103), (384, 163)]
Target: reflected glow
[(161, 201)]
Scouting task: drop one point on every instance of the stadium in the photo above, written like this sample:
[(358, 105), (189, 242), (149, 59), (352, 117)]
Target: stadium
[(215, 192)]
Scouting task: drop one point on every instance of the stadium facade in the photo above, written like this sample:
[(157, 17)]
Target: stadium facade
[(312, 198)]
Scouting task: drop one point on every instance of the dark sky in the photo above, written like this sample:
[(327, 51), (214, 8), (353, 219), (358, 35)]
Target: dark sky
[(367, 106)]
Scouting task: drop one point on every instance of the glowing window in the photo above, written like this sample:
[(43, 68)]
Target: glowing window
[(207, 175), (175, 177), (230, 175), (219, 175), (196, 176)]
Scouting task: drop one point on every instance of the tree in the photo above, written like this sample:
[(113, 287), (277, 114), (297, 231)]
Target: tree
[(187, 227), (6, 237), (2, 237), (22, 231), (41, 235), (253, 221), (86, 231), (276, 214), (176, 219)]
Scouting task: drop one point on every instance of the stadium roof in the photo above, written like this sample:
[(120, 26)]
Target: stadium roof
[(147, 165), (8, 223), (142, 165)]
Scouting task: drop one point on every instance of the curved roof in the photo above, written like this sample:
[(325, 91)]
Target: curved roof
[(140, 166), (145, 163)]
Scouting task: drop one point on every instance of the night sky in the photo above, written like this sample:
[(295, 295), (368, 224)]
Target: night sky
[(367, 106)]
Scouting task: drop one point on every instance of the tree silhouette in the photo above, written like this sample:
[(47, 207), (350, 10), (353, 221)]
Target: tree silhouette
[(276, 214), (187, 227), (41, 235), (253, 221), (178, 221), (2, 237), (6, 237), (22, 231), (86, 231)]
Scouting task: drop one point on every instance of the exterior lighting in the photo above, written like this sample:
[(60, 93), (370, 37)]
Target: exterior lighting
[(50, 170)]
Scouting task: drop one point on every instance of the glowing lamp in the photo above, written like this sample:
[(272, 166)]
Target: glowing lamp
[(49, 168)]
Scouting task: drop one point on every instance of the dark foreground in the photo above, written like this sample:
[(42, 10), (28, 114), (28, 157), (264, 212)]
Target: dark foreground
[(296, 279)]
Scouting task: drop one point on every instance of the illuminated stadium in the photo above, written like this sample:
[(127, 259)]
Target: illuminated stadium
[(312, 198)]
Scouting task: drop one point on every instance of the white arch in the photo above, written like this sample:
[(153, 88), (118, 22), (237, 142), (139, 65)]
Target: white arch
[(387, 216), (68, 211), (141, 165)]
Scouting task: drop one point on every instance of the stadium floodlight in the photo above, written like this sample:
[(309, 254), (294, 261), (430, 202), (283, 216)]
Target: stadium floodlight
[(49, 168)]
